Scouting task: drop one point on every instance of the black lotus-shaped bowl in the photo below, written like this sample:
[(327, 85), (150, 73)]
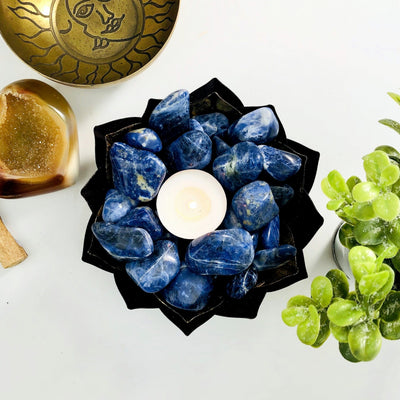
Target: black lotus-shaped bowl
[(299, 218)]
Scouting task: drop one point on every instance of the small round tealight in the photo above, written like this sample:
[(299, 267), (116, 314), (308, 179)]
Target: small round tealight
[(191, 203)]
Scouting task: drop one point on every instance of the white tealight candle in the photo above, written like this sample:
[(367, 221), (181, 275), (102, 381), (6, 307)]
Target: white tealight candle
[(191, 203)]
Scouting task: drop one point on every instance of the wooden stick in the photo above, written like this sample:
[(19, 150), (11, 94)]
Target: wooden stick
[(11, 253)]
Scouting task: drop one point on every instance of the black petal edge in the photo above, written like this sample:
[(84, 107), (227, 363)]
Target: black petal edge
[(300, 219)]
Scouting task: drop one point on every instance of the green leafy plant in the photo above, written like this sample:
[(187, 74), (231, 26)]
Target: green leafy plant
[(357, 319), (370, 208)]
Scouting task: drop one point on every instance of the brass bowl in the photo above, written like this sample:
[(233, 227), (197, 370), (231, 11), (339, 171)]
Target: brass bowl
[(87, 42)]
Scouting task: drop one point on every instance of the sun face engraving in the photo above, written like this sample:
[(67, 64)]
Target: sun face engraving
[(88, 42), (97, 31)]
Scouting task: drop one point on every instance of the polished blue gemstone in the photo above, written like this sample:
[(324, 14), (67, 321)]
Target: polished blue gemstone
[(170, 118), (219, 146), (231, 129), (123, 242), (144, 139), (155, 272), (272, 258), (231, 220), (116, 206), (195, 125), (254, 205), (213, 124), (270, 234), (242, 283), (224, 252), (189, 291), (255, 236), (192, 150), (143, 217), (280, 164), (136, 173), (258, 126), (282, 194), (240, 165)]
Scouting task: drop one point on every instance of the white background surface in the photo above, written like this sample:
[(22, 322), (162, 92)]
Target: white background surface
[(64, 330)]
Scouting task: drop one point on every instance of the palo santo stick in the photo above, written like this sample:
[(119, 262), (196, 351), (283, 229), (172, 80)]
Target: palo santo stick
[(11, 253)]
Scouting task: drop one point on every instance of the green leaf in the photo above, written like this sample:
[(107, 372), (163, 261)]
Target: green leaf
[(386, 247), (328, 190), (360, 211), (345, 351), (346, 236), (390, 330), (294, 315), (390, 310), (340, 283), (391, 152), (321, 291), (390, 175), (365, 341), (369, 233), (371, 283), (352, 181), (391, 124), (340, 333), (362, 261), (386, 206), (393, 231), (300, 301), (308, 330), (338, 183), (386, 288), (366, 191), (345, 312), (324, 330), (374, 164), (395, 97), (342, 215), (333, 205)]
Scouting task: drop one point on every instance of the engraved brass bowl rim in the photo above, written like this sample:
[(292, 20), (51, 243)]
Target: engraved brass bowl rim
[(86, 43)]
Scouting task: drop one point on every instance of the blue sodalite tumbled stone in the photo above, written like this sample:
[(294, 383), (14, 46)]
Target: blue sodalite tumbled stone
[(254, 205), (189, 291), (219, 146), (123, 242), (136, 173), (231, 220), (240, 165), (155, 272), (271, 258), (116, 206), (170, 118), (195, 125), (143, 217), (242, 283), (280, 164), (255, 236), (270, 234), (192, 150), (213, 124), (258, 126), (282, 194), (144, 139), (229, 134), (224, 252)]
